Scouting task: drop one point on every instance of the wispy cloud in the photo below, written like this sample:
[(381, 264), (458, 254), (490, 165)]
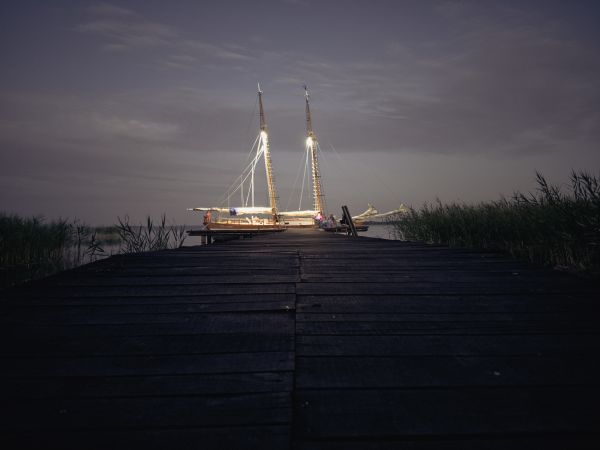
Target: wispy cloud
[(495, 87), (106, 9), (490, 86), (297, 2), (136, 128), (126, 30)]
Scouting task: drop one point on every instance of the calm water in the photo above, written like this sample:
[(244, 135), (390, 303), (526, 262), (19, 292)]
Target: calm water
[(381, 231)]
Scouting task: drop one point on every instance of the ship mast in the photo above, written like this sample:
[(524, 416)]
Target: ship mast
[(264, 142), (311, 145)]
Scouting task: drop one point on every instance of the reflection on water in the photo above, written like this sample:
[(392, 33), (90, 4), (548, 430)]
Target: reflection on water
[(381, 231), (193, 240)]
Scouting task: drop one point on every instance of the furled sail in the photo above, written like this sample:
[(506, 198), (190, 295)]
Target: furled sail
[(371, 211), (237, 210), (305, 213), (401, 210)]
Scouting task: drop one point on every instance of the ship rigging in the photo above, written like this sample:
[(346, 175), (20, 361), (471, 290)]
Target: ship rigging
[(249, 216)]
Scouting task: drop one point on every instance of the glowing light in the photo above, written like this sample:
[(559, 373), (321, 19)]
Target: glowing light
[(263, 134), (309, 141)]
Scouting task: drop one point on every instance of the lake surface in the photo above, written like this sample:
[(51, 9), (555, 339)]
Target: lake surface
[(381, 231)]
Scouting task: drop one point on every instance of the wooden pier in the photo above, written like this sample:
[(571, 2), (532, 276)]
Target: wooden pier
[(303, 340)]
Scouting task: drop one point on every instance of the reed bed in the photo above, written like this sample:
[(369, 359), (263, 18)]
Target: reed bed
[(553, 226), (32, 248), (148, 237)]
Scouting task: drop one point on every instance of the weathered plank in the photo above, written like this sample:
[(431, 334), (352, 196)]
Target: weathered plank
[(446, 345), (406, 287), (510, 325), (452, 411), (179, 280), (148, 412), (302, 339), (156, 290), (255, 437), (440, 304), (517, 441), (87, 345), (443, 371), (141, 302), (135, 365), (263, 318), (76, 331), (147, 386), (149, 314)]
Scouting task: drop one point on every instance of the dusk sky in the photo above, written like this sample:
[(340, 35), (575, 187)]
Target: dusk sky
[(145, 107)]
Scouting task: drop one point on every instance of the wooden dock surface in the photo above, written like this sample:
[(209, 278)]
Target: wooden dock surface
[(303, 340)]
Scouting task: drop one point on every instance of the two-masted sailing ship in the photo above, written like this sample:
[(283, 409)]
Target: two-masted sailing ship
[(250, 217)]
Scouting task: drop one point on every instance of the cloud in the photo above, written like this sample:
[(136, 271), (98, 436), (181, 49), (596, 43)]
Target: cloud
[(115, 155), (136, 128), (503, 81), (297, 2), (217, 51), (106, 9), (124, 30), (165, 112), (495, 87)]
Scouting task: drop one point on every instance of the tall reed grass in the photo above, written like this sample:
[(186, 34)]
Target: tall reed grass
[(151, 236), (32, 248), (553, 226)]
